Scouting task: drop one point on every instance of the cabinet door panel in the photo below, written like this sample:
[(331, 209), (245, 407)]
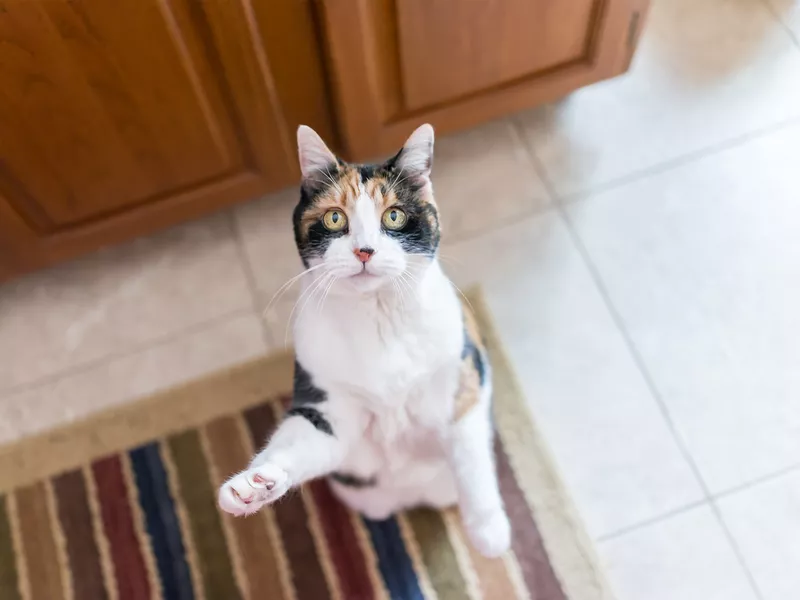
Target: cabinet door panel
[(111, 104), (117, 118), (450, 49), (398, 63)]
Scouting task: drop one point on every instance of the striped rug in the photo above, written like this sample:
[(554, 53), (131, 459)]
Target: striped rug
[(123, 507)]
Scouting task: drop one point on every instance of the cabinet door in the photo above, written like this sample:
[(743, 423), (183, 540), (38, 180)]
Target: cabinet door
[(397, 63), (120, 117)]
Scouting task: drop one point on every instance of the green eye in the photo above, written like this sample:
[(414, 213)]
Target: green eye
[(394, 219), (334, 220)]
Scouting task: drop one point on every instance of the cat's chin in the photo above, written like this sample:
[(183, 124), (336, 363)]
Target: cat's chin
[(366, 282)]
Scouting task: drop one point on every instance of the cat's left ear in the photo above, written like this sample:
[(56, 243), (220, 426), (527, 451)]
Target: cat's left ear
[(416, 157), (313, 153)]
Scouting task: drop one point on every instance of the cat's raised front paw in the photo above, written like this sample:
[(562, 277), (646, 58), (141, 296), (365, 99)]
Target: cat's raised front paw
[(247, 492), (490, 535)]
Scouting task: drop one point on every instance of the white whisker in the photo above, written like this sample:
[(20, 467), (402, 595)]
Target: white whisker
[(285, 287), (399, 294), (463, 295), (335, 184), (309, 290), (405, 285), (327, 291)]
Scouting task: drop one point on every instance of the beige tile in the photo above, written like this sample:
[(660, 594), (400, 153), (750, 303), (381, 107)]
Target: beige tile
[(121, 380), (765, 521), (706, 72), (121, 298), (703, 263), (685, 557), (610, 441), (266, 229), (484, 177)]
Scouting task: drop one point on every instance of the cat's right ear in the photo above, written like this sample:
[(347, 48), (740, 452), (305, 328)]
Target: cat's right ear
[(314, 154)]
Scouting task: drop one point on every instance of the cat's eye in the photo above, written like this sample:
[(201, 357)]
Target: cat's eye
[(334, 220), (394, 219)]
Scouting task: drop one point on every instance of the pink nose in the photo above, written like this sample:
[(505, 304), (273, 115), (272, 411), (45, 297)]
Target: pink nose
[(364, 254)]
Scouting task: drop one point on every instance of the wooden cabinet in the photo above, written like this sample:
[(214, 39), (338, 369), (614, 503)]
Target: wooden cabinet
[(455, 63), (120, 117), (117, 118)]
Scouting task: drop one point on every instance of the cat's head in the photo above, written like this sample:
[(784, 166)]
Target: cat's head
[(366, 224)]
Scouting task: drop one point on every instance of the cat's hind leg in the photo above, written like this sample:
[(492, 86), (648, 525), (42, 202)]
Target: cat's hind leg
[(471, 452)]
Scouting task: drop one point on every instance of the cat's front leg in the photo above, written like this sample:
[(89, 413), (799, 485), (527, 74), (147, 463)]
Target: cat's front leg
[(311, 441), (472, 460)]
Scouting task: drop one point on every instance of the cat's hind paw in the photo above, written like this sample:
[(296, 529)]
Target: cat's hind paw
[(247, 492), (491, 535)]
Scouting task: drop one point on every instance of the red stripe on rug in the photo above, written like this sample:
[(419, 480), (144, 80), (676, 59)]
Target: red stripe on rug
[(115, 510), (346, 555), (526, 540)]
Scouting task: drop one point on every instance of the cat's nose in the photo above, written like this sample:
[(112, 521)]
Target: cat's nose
[(364, 254)]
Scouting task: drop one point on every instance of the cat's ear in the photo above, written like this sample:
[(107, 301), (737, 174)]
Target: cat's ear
[(314, 154), (416, 157)]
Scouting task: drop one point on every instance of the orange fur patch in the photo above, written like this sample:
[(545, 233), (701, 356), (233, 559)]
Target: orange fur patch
[(469, 385), (343, 196)]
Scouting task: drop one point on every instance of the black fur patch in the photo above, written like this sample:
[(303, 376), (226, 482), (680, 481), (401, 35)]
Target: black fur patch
[(305, 392), (421, 232), (316, 242), (354, 481), (420, 235), (367, 172), (472, 350), (313, 416)]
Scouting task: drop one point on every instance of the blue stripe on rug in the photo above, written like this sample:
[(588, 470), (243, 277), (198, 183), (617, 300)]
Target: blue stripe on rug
[(393, 560), (163, 527)]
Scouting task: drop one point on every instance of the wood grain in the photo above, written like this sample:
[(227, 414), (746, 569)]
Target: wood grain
[(117, 119), (450, 49), (463, 63)]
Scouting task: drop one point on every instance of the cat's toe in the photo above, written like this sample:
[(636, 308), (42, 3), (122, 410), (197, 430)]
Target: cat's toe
[(235, 498), (250, 490), (267, 477), (491, 535)]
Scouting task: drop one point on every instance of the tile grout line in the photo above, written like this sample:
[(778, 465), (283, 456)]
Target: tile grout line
[(533, 211), (651, 521), (686, 507), (528, 214), (774, 12), (656, 394), (250, 276), (135, 349), (656, 169), (642, 368), (767, 478)]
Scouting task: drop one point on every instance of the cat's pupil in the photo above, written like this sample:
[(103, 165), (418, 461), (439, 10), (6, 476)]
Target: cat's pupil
[(335, 217), (393, 215)]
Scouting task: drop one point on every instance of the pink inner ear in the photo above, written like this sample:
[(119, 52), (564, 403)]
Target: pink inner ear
[(313, 153), (417, 152)]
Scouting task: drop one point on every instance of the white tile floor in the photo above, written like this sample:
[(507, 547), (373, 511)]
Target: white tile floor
[(639, 244)]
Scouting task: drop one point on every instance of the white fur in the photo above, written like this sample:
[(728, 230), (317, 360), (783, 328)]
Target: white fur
[(313, 153), (418, 150), (384, 340)]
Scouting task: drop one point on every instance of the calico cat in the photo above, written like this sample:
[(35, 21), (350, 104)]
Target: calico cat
[(392, 384)]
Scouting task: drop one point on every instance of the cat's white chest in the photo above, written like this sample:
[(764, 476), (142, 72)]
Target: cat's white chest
[(379, 353)]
